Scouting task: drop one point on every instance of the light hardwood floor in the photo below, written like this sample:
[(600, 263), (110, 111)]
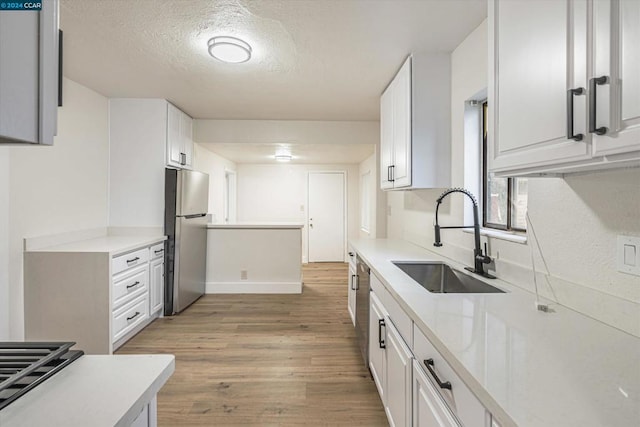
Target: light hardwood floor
[(265, 360)]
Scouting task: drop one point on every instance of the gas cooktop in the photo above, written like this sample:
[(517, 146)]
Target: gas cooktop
[(25, 365)]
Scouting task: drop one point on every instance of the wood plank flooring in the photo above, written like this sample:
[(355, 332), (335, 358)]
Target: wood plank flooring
[(265, 360)]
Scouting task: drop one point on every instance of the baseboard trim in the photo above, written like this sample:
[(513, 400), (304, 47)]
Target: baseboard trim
[(253, 287)]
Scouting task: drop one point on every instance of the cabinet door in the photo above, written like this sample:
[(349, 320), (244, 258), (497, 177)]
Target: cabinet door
[(142, 420), (174, 138), (617, 56), (156, 285), (29, 74), (377, 343), (351, 295), (398, 378), (386, 137), (186, 133), (401, 171), (537, 52), (429, 410)]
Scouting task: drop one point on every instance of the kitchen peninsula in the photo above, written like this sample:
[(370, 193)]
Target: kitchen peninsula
[(260, 258), (96, 391)]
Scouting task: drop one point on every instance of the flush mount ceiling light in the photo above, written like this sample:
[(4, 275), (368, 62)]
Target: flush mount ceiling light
[(229, 49), (283, 157), (283, 154)]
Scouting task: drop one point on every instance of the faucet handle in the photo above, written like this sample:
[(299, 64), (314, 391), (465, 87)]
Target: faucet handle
[(486, 259)]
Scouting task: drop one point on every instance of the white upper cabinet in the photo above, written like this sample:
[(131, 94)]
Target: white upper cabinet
[(401, 104), (29, 75), (545, 106), (415, 143), (174, 139), (616, 56), (179, 138), (386, 138)]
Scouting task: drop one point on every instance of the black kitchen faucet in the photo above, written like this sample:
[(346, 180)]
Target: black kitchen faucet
[(479, 259)]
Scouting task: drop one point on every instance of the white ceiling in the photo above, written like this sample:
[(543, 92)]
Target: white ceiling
[(301, 153), (313, 59)]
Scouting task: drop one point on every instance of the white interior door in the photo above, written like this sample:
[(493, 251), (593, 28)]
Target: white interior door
[(326, 216)]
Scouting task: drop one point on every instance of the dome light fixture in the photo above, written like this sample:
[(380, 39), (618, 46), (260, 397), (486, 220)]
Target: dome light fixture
[(229, 49)]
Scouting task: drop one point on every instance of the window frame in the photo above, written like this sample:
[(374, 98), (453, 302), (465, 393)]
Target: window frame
[(485, 175)]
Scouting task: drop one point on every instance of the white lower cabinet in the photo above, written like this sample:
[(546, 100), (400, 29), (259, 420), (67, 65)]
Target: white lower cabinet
[(377, 353), (416, 384), (96, 295), (351, 295), (148, 417), (398, 378), (156, 280), (131, 315), (390, 364), (429, 410), (129, 285), (460, 400)]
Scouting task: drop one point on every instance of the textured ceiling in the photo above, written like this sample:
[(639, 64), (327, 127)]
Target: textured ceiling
[(301, 153), (313, 59)]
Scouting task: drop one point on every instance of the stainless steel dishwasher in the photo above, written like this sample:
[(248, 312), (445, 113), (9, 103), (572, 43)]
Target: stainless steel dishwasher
[(362, 308)]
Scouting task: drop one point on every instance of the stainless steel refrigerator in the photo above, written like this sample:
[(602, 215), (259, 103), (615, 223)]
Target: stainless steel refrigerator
[(185, 224)]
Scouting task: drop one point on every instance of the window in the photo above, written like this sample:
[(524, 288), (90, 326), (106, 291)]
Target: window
[(504, 199)]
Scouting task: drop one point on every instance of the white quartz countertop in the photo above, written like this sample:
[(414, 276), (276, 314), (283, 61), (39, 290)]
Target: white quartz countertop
[(112, 245), (92, 391), (527, 367), (258, 225)]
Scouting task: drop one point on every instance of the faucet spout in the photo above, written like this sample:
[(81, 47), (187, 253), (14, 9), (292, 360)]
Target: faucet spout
[(479, 259)]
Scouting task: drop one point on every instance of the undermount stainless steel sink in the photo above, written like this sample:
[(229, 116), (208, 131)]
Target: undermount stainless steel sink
[(439, 278)]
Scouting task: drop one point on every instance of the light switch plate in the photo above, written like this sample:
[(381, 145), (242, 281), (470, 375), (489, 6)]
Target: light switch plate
[(628, 255)]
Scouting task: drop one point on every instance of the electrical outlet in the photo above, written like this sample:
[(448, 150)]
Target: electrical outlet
[(243, 274), (301, 208), (628, 255)]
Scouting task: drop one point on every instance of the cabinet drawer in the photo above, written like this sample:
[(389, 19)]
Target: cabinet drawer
[(460, 400), (429, 409), (129, 316), (126, 261), (156, 251), (129, 285), (400, 319)]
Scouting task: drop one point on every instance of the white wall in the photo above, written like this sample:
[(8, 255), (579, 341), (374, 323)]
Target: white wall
[(278, 192), (216, 166), (138, 137), (59, 188), (377, 199), (576, 219), (286, 131), (230, 252)]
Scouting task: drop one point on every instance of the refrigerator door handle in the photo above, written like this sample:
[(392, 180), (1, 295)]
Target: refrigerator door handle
[(200, 215)]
